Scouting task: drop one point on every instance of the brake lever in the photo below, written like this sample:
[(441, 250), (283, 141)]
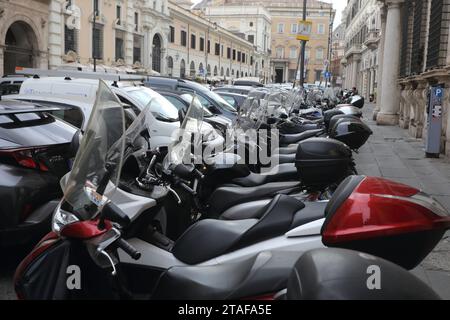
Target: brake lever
[(174, 193), (103, 252)]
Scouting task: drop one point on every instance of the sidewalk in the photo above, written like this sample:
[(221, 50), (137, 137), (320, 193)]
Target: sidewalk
[(393, 154)]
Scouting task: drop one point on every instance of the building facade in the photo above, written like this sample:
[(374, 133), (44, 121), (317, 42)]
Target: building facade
[(200, 48), (121, 33), (362, 19), (416, 56), (252, 23), (337, 55), (24, 30), (284, 47)]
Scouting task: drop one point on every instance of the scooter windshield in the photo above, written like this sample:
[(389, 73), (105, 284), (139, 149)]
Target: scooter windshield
[(252, 111), (188, 137), (99, 157)]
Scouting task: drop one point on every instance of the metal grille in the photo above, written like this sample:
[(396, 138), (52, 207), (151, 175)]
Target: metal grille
[(434, 40), (404, 45), (70, 40), (119, 45), (156, 54), (97, 42), (417, 52), (137, 48)]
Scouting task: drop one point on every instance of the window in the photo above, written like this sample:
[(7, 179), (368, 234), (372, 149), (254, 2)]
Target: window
[(137, 48), (172, 34), (251, 24), (234, 54), (176, 102), (70, 39), (169, 66), (119, 45), (251, 38), (281, 28), (239, 56), (202, 44), (294, 28), (193, 41), (118, 15), (209, 46), (318, 75), (319, 53), (217, 49), (280, 52), (97, 42), (293, 53), (243, 58), (228, 53), (136, 21), (183, 38), (321, 28), (96, 7)]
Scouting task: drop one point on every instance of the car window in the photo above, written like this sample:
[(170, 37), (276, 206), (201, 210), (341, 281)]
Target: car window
[(176, 102), (229, 99), (70, 114), (160, 106)]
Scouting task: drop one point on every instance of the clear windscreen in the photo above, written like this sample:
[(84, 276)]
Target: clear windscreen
[(99, 156), (189, 135)]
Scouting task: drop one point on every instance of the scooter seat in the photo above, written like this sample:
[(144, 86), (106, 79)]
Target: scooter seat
[(286, 150), (265, 272), (288, 139), (282, 172), (225, 197), (211, 238)]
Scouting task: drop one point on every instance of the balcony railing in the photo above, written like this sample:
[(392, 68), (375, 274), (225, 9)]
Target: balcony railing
[(373, 37)]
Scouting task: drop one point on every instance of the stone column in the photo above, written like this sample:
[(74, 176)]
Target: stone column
[(1, 61), (388, 114), (380, 61), (56, 25)]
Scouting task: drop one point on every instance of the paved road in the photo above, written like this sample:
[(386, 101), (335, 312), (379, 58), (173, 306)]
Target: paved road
[(390, 153), (393, 154)]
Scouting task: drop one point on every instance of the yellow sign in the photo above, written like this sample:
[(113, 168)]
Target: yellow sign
[(304, 30)]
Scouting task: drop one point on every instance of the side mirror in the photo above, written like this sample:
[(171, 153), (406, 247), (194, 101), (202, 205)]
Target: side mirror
[(75, 144), (213, 109)]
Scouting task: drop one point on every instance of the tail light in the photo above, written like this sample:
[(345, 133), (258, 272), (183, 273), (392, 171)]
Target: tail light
[(387, 219), (27, 158)]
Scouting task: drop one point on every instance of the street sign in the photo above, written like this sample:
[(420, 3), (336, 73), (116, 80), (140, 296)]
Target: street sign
[(304, 30), (328, 75)]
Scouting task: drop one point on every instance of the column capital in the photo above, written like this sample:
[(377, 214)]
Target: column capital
[(391, 4)]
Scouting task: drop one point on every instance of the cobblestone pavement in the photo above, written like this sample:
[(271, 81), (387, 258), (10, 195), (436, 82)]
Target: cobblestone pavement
[(389, 153), (393, 154)]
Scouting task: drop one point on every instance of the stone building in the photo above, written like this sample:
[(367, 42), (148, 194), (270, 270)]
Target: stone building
[(125, 33), (200, 48), (362, 36), (285, 48), (250, 22), (337, 55), (23, 34), (416, 56)]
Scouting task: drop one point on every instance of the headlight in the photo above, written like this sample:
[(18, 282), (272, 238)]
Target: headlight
[(62, 218)]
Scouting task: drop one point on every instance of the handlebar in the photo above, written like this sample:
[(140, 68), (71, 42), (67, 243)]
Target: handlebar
[(128, 249), (187, 188)]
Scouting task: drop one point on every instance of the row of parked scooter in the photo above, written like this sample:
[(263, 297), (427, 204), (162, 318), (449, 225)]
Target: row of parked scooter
[(143, 223)]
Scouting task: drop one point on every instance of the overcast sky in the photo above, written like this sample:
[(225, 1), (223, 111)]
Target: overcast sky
[(339, 5)]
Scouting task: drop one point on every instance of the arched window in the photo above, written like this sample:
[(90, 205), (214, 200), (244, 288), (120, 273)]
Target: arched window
[(192, 70), (228, 72), (216, 73), (279, 52), (208, 69), (170, 66), (182, 69), (221, 72)]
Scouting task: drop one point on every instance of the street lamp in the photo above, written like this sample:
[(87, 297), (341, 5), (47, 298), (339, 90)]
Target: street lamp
[(94, 54)]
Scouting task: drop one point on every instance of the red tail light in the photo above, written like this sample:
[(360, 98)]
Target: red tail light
[(25, 158), (380, 208)]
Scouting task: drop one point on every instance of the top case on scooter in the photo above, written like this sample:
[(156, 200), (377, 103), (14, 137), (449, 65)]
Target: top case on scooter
[(211, 238)]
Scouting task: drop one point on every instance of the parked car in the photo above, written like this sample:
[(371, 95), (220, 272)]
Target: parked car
[(235, 99), (182, 101), (212, 101), (78, 97), (244, 90), (249, 81), (35, 152)]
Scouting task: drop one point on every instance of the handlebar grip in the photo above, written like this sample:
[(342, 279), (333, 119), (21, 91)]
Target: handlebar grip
[(128, 248)]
